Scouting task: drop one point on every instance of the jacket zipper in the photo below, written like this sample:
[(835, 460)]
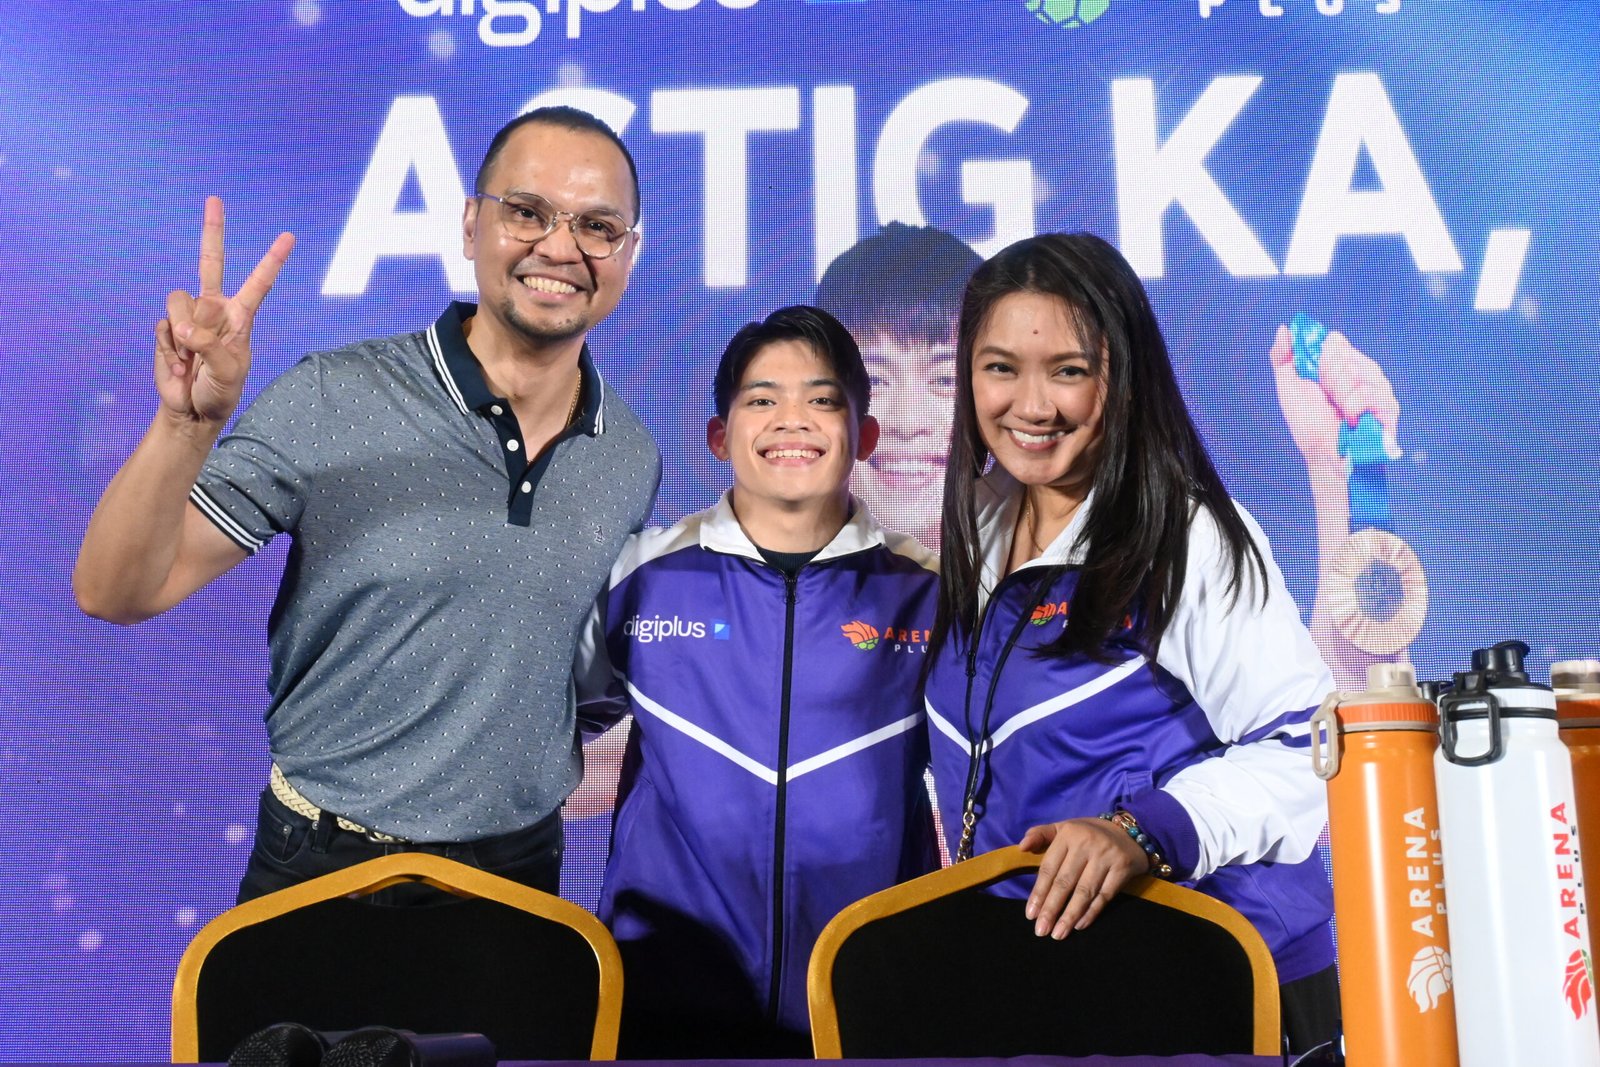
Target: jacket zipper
[(778, 946)]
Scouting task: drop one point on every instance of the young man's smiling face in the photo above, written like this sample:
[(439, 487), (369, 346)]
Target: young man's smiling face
[(790, 434)]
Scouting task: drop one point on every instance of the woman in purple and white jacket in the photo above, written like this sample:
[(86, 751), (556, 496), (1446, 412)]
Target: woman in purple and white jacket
[(1120, 678)]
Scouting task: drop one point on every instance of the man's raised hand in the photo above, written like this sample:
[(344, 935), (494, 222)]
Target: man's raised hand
[(203, 345)]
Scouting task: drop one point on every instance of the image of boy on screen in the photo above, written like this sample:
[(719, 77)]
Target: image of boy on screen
[(899, 292), (770, 650)]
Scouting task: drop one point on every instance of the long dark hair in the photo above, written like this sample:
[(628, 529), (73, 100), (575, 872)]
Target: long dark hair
[(1153, 472)]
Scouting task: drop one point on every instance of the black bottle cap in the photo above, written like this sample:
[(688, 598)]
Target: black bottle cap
[(1503, 661)]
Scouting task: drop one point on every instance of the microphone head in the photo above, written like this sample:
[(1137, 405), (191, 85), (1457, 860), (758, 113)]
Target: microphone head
[(282, 1045), (381, 1046), (371, 1046)]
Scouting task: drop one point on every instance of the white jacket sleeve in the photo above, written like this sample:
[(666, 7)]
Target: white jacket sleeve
[(1253, 669), (600, 692)]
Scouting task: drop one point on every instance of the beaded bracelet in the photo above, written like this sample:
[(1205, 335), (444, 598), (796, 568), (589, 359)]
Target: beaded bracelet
[(1130, 825)]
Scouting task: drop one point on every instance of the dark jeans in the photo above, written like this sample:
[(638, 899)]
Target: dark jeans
[(290, 849)]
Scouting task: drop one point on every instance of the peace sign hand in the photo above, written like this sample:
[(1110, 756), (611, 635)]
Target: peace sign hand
[(203, 345)]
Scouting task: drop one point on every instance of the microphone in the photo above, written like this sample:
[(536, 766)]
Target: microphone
[(284, 1045), (381, 1046)]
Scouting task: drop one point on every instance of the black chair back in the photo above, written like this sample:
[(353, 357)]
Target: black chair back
[(537, 975), (941, 967)]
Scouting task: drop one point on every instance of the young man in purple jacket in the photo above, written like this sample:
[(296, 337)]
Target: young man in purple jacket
[(770, 651)]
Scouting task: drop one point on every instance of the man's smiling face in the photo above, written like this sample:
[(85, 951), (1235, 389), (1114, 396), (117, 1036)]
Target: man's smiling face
[(549, 291)]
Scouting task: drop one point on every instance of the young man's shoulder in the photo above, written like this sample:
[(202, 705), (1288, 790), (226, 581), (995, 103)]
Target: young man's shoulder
[(658, 543), (908, 548), (864, 533)]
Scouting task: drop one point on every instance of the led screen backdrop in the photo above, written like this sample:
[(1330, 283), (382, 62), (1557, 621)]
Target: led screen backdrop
[(1418, 177)]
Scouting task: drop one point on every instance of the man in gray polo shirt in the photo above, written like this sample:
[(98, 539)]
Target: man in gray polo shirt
[(455, 496)]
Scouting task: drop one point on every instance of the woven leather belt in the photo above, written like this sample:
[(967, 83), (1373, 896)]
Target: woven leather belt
[(291, 798)]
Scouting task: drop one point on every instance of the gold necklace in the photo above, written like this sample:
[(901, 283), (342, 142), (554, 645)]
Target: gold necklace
[(1024, 529), (1035, 546), (577, 393)]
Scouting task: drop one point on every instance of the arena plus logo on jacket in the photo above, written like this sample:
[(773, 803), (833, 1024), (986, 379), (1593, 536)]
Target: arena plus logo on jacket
[(867, 637), (861, 634), (1057, 611), (1049, 610)]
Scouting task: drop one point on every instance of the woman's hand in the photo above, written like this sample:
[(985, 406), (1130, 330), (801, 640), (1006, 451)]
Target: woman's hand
[(1086, 861)]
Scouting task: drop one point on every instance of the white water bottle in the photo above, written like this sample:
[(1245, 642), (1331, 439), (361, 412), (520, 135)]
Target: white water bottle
[(1508, 825)]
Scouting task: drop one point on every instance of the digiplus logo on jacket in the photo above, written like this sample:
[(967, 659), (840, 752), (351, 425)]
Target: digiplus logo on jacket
[(661, 628)]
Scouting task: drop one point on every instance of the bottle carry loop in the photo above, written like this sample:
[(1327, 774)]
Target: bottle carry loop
[(1325, 739), (1448, 736)]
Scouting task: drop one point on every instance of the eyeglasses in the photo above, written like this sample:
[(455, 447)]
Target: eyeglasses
[(530, 219)]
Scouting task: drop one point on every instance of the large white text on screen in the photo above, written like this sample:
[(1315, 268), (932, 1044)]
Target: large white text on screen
[(1152, 174)]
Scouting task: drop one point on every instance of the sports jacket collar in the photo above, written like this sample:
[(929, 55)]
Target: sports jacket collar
[(999, 499), (721, 532)]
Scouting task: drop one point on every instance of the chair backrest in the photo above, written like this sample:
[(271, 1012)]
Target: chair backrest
[(941, 967), (539, 976)]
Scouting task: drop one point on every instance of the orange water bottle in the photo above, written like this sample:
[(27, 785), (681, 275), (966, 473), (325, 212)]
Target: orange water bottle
[(1375, 750), (1577, 686)]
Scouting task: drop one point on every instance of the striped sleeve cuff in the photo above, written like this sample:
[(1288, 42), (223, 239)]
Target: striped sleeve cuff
[(226, 523)]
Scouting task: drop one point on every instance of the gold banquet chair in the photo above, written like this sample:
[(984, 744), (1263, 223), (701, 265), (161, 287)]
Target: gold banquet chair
[(938, 967), (539, 976)]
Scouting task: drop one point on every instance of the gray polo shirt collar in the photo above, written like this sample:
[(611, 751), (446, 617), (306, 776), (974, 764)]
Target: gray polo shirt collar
[(462, 377)]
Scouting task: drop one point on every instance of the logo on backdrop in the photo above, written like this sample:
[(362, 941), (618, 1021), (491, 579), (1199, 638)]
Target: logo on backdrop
[(1272, 9), (515, 23), (1068, 14)]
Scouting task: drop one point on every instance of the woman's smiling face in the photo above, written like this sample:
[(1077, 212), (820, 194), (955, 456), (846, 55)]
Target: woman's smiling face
[(1038, 395)]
